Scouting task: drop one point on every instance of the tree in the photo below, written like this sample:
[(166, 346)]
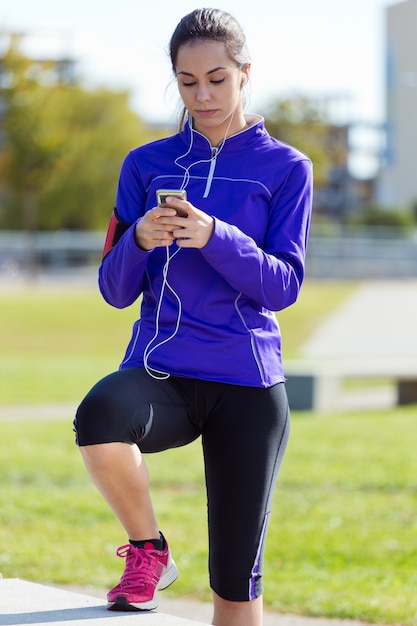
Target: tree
[(79, 191), (62, 146), (300, 122)]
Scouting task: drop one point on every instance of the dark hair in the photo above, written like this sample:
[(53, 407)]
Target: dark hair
[(210, 25)]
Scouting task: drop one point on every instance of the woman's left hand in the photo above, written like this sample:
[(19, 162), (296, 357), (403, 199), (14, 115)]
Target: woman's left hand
[(193, 231)]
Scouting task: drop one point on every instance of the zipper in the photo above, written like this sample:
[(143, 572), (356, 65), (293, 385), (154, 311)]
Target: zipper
[(214, 152)]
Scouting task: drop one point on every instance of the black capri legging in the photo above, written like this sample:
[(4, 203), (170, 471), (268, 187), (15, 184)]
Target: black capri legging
[(244, 433)]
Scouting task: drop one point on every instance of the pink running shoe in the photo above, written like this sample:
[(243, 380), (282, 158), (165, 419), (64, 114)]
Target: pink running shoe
[(146, 570)]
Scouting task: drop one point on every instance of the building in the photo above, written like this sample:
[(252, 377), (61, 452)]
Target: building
[(397, 182)]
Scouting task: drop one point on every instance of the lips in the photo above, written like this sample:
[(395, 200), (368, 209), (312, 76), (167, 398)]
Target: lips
[(206, 112)]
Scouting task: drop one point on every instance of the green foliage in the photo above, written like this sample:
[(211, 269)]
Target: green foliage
[(83, 182), (374, 215), (301, 123), (63, 148)]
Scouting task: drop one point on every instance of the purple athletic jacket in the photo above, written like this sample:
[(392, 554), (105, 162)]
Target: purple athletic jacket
[(209, 313)]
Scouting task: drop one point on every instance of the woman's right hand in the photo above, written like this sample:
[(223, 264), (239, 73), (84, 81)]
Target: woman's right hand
[(152, 231)]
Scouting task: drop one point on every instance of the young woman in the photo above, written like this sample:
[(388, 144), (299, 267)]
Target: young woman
[(204, 359)]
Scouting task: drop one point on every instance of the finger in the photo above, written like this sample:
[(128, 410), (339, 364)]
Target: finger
[(157, 213), (159, 242), (171, 223), (182, 207)]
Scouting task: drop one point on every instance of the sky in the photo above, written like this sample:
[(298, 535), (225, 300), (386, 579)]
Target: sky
[(330, 49)]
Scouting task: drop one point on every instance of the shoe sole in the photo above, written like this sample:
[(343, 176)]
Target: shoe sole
[(122, 604)]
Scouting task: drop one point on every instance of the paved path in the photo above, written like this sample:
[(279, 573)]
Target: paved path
[(379, 321), (23, 602), (374, 332), (202, 612)]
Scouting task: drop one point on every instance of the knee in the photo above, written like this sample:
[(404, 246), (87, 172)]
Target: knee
[(105, 457), (112, 412), (82, 424), (98, 418)]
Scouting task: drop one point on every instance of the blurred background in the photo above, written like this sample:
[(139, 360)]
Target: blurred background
[(81, 84)]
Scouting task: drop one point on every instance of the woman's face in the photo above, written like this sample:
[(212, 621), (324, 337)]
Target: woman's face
[(210, 86)]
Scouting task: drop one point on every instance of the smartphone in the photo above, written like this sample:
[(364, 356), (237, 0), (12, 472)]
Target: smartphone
[(162, 194)]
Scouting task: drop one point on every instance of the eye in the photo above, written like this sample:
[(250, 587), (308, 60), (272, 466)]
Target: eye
[(217, 82), (190, 84)]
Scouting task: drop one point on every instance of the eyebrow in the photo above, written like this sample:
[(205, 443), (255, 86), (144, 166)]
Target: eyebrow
[(216, 69)]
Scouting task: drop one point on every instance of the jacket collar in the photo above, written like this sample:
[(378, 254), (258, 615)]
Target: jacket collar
[(199, 142)]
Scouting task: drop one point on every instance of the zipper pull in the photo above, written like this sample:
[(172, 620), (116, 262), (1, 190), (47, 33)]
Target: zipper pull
[(213, 163)]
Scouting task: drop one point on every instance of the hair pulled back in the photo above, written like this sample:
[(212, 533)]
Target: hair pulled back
[(211, 25)]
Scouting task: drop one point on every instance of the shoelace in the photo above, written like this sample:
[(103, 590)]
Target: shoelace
[(139, 565)]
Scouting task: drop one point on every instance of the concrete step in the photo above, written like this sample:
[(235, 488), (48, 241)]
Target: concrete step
[(23, 602)]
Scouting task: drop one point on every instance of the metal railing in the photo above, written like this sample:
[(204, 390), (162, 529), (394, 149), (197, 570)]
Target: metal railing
[(364, 255)]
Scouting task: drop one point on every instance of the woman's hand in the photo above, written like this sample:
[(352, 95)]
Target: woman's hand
[(152, 230), (160, 227)]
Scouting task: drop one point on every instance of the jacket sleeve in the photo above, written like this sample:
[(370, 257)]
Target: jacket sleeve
[(123, 267), (272, 275), (122, 271)]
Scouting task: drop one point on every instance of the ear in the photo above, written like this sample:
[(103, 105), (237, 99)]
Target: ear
[(245, 75)]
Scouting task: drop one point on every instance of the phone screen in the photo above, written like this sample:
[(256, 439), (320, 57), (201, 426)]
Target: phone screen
[(162, 194)]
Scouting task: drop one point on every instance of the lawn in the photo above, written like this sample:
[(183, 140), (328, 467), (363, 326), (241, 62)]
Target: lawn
[(56, 343), (343, 533)]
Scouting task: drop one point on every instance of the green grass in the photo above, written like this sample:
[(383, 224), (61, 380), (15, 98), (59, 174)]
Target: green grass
[(343, 533), (56, 343)]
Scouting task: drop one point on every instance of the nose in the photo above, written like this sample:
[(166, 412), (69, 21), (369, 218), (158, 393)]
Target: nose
[(203, 93)]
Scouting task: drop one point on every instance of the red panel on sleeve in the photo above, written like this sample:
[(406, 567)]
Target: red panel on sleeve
[(110, 243)]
